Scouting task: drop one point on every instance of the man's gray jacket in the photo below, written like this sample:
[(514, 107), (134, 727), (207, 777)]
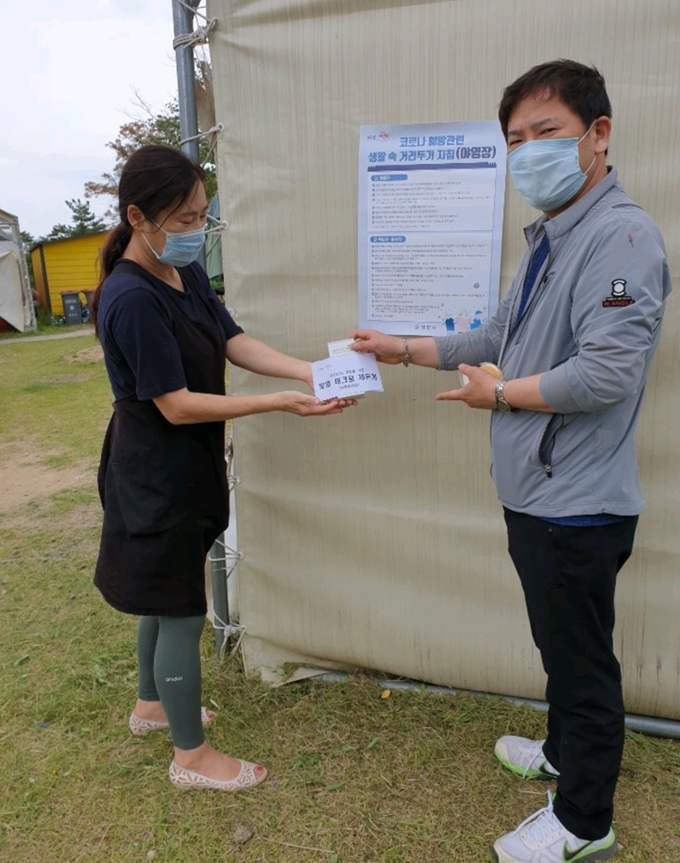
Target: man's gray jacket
[(591, 327)]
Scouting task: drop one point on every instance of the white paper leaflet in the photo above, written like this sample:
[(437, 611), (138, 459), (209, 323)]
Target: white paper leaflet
[(346, 375)]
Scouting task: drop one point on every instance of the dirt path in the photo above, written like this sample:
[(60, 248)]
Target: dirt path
[(75, 334), (25, 478)]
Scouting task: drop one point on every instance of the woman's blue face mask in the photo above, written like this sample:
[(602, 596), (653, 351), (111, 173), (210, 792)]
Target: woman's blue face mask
[(181, 248), (547, 173)]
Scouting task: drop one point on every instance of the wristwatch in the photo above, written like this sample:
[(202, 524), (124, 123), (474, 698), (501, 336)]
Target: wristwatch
[(501, 402)]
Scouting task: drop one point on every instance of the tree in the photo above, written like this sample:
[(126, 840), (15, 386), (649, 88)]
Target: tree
[(83, 221), (152, 128)]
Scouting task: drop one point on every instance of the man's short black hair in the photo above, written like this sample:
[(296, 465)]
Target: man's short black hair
[(580, 87)]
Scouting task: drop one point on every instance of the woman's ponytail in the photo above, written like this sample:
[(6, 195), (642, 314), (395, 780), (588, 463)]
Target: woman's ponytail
[(108, 257)]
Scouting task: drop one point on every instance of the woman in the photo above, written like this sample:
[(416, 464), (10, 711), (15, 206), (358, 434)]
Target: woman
[(162, 478)]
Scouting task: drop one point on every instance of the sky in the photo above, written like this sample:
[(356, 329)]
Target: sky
[(70, 71)]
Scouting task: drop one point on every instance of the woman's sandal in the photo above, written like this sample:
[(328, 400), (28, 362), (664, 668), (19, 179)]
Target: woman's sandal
[(141, 727), (249, 776)]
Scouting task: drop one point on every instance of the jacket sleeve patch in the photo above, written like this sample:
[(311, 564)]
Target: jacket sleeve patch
[(618, 296)]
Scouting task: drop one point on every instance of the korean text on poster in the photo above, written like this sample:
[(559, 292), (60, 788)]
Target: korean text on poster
[(430, 225)]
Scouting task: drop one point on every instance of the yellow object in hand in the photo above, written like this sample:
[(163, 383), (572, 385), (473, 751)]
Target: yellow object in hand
[(490, 368)]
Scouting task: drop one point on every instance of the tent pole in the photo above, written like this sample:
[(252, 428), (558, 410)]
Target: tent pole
[(183, 19), (644, 724)]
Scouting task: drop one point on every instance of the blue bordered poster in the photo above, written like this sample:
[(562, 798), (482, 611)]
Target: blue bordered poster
[(430, 226)]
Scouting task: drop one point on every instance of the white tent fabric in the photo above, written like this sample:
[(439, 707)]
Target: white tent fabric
[(375, 539), (11, 290)]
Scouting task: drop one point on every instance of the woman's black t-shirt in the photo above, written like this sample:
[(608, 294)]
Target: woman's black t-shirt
[(141, 354)]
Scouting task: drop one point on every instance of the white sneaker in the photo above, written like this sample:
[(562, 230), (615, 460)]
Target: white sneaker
[(524, 757), (542, 838)]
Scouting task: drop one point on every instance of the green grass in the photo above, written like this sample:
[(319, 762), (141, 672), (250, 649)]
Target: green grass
[(354, 778), (60, 407), (46, 329)]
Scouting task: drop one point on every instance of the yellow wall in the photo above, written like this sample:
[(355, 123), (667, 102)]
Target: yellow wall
[(72, 265)]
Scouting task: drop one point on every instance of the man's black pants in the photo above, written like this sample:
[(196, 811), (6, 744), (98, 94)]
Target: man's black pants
[(569, 578)]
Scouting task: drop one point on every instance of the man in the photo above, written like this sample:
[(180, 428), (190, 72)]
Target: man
[(574, 339)]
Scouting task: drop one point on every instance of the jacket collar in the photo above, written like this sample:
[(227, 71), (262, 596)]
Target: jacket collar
[(563, 223)]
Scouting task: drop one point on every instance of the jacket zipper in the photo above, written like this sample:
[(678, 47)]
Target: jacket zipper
[(523, 323), (514, 327), (548, 437)]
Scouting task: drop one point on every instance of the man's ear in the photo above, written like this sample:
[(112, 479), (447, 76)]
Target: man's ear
[(602, 130)]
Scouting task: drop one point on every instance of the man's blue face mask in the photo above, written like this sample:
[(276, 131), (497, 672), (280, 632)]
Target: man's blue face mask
[(547, 172), (181, 248)]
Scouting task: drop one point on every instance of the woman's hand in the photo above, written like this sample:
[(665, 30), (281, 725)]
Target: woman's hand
[(303, 405), (387, 349)]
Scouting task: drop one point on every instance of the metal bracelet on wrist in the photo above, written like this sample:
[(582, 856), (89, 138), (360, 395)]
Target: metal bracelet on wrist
[(502, 403), (407, 356)]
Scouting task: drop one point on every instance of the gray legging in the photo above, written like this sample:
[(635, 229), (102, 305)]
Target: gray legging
[(170, 671)]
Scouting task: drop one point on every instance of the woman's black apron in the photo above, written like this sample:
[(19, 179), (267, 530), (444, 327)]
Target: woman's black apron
[(163, 487)]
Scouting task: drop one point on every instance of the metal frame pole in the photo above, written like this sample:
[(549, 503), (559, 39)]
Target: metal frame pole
[(649, 725), (183, 20)]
